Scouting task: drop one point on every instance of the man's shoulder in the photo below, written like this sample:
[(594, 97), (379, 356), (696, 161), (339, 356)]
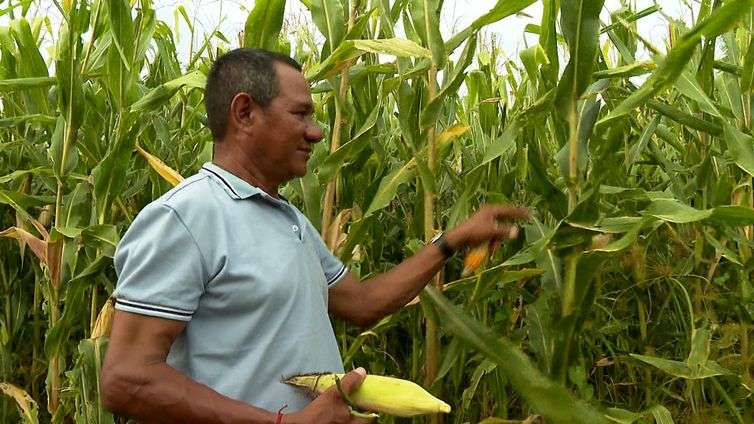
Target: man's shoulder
[(194, 192), (195, 196)]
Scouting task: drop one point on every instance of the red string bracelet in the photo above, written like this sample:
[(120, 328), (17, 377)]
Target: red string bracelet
[(279, 418)]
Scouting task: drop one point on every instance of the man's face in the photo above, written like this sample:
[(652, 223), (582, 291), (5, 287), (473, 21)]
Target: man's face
[(287, 129)]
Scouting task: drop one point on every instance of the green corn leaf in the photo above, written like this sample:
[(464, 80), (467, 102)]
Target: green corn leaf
[(502, 145), (121, 27), (674, 63), (348, 150), (689, 87), (626, 240), (33, 64), (684, 118), (502, 9), (63, 156), (263, 24), (697, 365), (580, 24), (161, 94), (625, 71), (633, 18), (431, 111), (672, 210), (747, 73), (17, 84), (40, 170), (20, 202), (548, 39), (329, 18), (532, 251), (732, 215), (659, 413), (426, 18), (646, 135), (395, 46), (545, 396), (110, 175), (25, 119), (389, 187), (351, 49), (741, 147)]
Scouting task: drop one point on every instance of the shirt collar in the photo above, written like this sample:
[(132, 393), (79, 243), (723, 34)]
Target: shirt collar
[(236, 187)]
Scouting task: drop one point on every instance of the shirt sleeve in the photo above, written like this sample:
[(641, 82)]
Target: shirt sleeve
[(161, 271), (333, 267)]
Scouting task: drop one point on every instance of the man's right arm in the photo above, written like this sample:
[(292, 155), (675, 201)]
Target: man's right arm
[(137, 382)]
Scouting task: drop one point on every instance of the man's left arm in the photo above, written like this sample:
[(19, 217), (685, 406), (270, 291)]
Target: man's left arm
[(364, 303)]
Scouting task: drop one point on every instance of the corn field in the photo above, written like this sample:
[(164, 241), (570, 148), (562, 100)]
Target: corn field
[(627, 298)]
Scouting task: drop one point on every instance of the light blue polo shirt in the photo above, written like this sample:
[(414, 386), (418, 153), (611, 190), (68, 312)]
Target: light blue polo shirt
[(250, 276)]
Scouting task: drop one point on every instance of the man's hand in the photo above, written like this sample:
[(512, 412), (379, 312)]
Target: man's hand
[(330, 407), (491, 223)]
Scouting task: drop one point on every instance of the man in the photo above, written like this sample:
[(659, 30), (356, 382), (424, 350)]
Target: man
[(225, 287)]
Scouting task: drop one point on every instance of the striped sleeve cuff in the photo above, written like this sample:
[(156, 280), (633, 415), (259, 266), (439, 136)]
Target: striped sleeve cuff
[(335, 279), (153, 310)]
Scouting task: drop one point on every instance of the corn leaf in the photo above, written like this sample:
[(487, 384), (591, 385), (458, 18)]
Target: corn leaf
[(263, 24), (545, 396), (426, 19), (430, 112), (16, 84), (329, 18), (580, 23), (502, 9), (675, 61), (741, 147), (389, 187), (26, 405), (672, 210), (747, 73), (169, 174)]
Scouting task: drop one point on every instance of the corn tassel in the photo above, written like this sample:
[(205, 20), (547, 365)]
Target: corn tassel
[(393, 396)]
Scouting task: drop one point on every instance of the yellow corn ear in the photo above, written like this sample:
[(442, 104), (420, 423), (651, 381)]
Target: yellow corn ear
[(475, 258), (377, 393), (104, 321)]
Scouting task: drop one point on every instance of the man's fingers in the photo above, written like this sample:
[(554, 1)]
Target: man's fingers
[(352, 380), (510, 212), (506, 232)]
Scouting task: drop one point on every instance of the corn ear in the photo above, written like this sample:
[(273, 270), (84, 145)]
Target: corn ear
[(393, 396), (104, 321), (475, 258)]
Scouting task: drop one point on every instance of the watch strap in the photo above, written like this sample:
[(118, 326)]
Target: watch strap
[(440, 241)]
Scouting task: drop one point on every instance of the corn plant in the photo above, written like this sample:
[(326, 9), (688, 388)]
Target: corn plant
[(628, 297)]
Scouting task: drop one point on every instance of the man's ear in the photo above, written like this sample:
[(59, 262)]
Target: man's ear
[(242, 112)]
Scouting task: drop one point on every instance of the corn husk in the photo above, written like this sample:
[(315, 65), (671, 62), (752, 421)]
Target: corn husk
[(393, 396)]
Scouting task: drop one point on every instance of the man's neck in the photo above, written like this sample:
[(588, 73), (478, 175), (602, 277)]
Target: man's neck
[(236, 162)]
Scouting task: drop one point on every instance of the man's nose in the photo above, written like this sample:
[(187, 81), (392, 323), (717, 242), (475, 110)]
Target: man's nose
[(313, 132)]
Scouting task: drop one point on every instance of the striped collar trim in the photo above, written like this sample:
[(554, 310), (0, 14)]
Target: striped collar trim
[(235, 186)]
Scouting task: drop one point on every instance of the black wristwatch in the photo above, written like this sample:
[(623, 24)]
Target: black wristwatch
[(442, 244)]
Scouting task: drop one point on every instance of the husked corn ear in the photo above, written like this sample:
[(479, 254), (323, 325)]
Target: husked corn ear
[(393, 396), (475, 258)]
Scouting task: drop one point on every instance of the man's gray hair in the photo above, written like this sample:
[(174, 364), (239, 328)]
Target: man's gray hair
[(243, 70)]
